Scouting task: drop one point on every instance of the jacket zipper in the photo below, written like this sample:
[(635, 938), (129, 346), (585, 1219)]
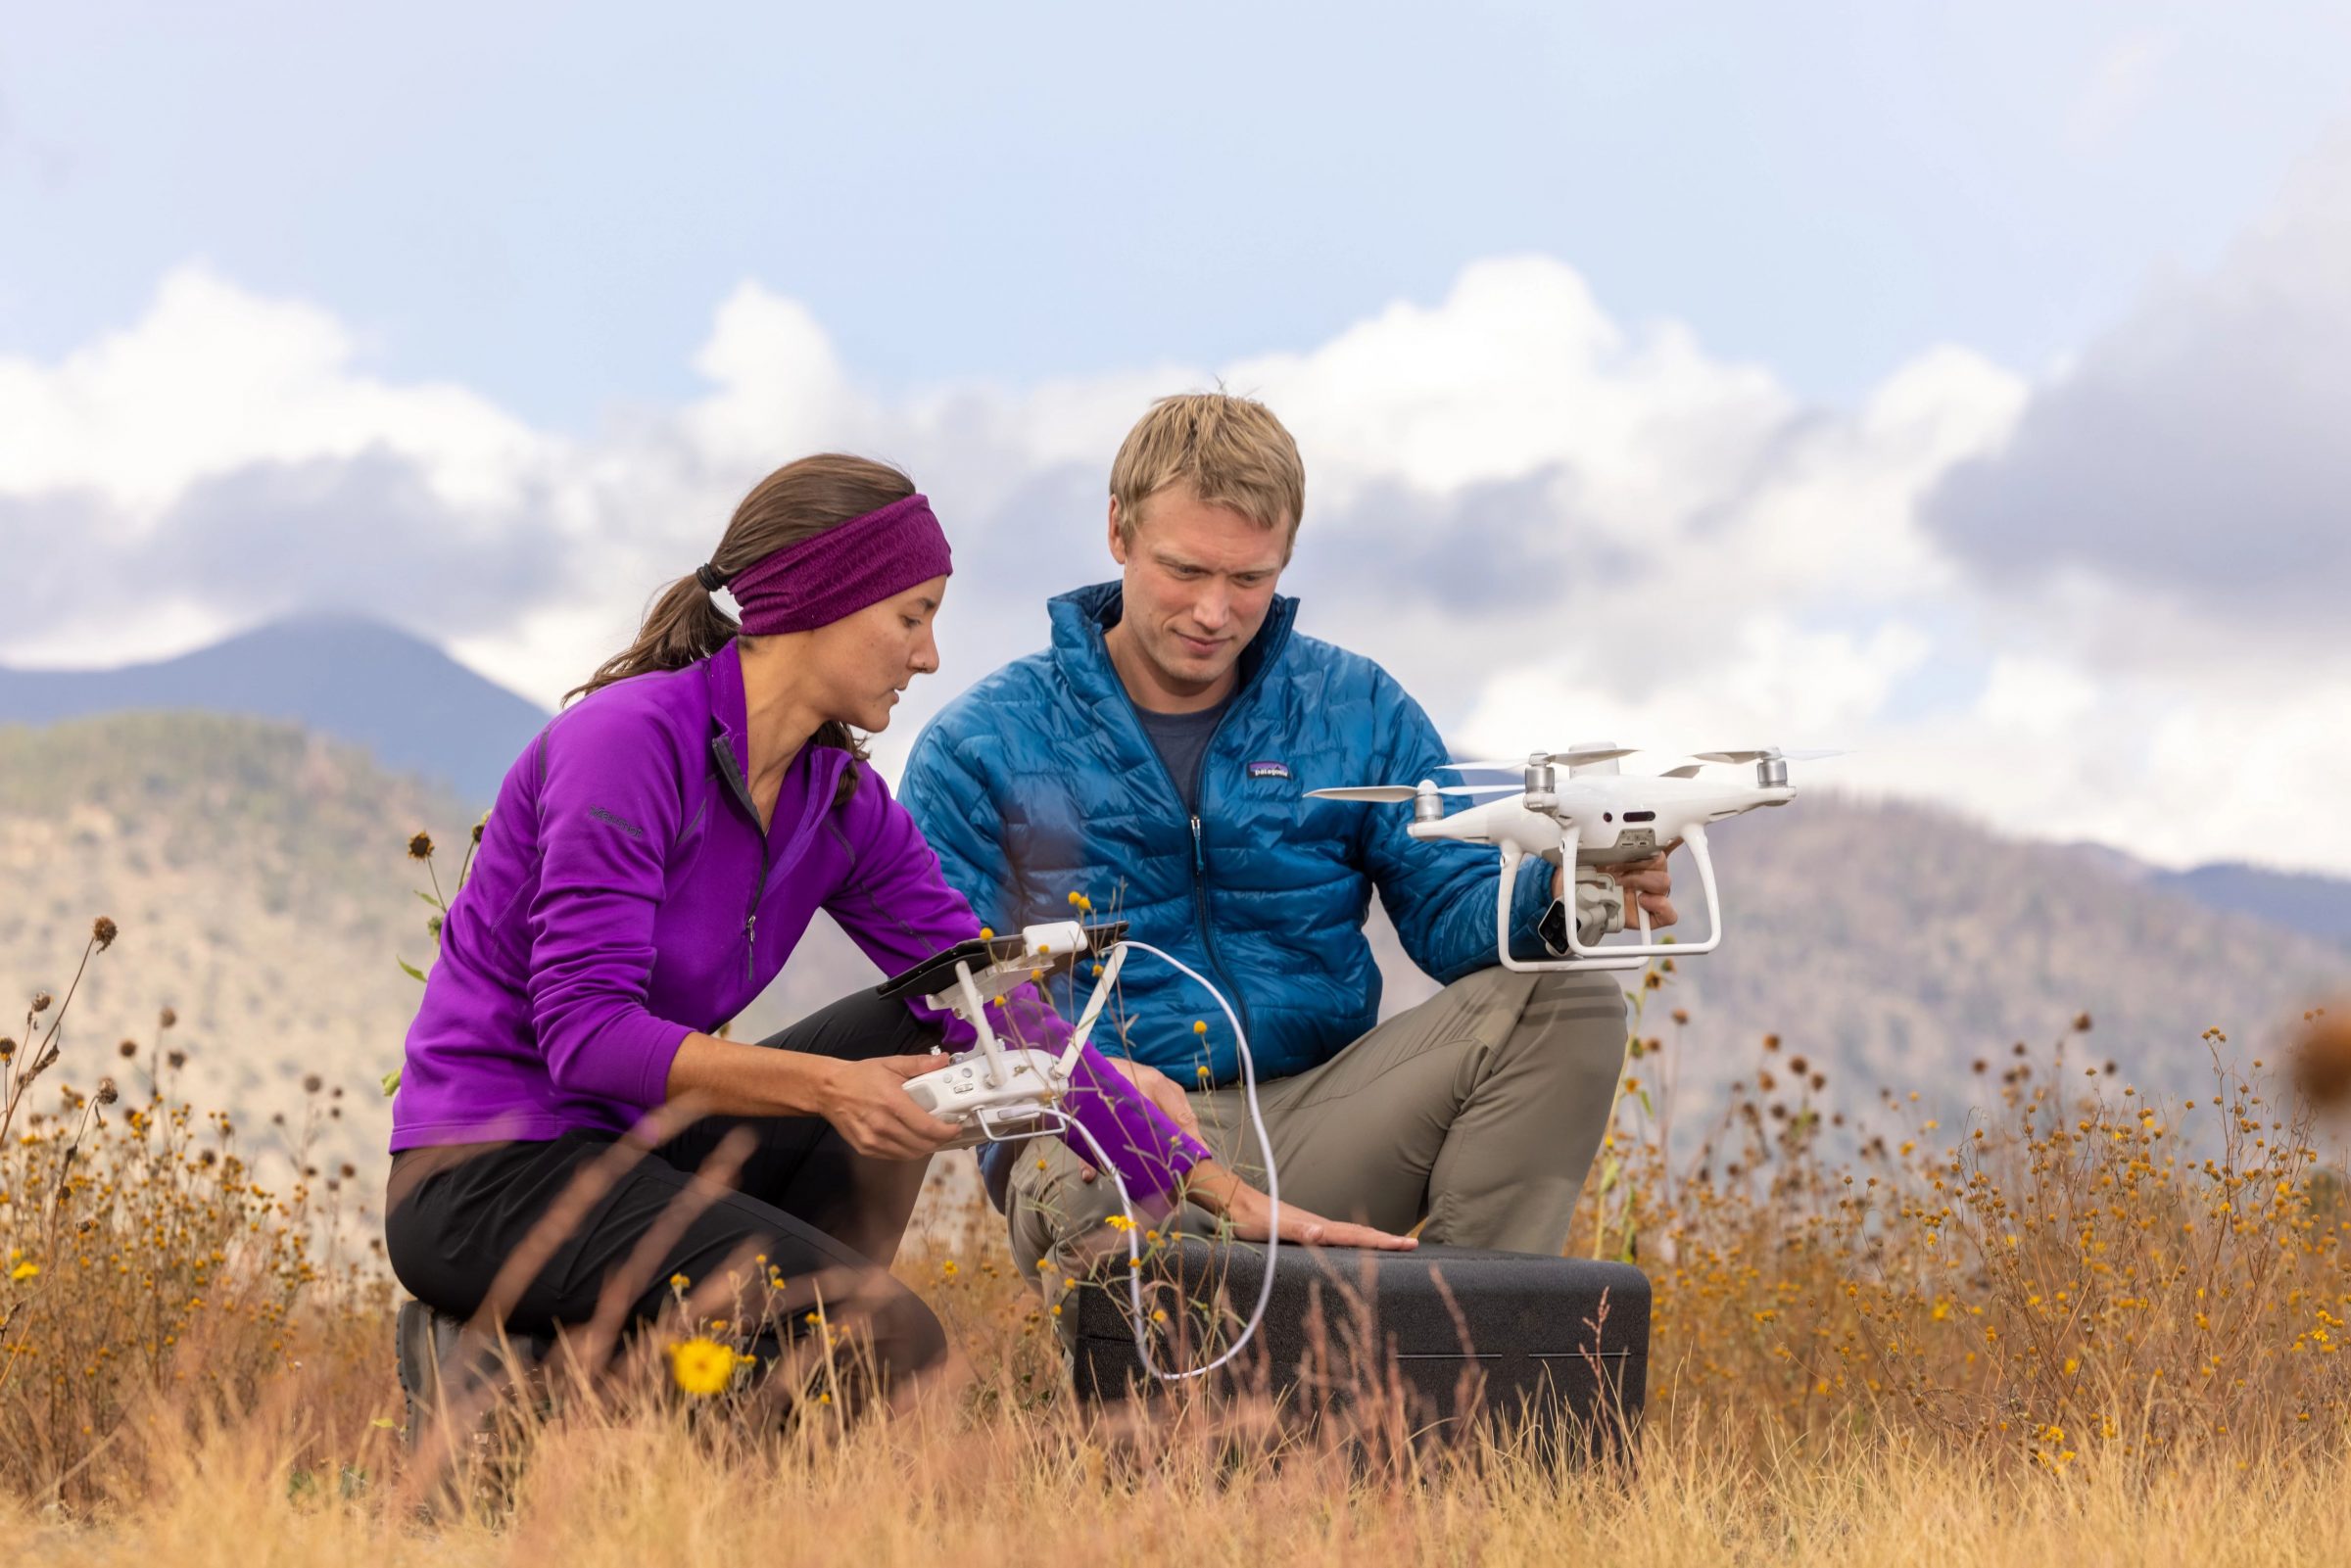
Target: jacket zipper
[(732, 770), (1207, 938), (1208, 941)]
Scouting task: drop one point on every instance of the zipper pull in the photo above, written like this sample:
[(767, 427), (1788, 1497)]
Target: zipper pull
[(1199, 855), (750, 946)]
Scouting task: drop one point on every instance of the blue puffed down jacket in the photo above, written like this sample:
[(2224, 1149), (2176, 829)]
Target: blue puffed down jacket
[(1039, 783)]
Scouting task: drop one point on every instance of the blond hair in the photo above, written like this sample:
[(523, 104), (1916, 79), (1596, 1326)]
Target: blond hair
[(1232, 451)]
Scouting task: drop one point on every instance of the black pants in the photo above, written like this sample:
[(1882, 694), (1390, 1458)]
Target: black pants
[(826, 1219)]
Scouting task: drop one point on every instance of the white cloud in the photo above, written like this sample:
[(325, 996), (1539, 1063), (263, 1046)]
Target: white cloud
[(213, 379), (1551, 525)]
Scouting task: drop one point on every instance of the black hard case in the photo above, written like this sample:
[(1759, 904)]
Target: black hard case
[(1459, 1334)]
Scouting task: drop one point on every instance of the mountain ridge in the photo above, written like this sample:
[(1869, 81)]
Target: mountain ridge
[(350, 677), (370, 684)]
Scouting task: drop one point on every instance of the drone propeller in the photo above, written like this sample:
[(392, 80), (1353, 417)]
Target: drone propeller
[(1757, 756), (1574, 756), (1390, 794)]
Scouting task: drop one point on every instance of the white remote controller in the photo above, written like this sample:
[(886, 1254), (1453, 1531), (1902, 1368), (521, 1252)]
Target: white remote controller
[(994, 1090), (962, 1091)]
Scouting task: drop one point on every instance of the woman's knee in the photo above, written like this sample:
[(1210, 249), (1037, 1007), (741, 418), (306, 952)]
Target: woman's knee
[(908, 1338)]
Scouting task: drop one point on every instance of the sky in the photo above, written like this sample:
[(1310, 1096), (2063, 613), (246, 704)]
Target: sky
[(1959, 383)]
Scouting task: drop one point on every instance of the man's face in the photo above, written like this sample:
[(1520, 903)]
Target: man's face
[(1199, 579)]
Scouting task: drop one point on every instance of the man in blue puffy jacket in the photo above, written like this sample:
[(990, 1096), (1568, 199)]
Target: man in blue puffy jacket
[(1156, 760)]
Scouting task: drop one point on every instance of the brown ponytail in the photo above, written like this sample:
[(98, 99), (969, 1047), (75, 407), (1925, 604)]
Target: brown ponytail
[(798, 501)]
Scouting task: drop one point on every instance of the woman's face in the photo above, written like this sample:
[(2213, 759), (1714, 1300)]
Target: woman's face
[(864, 661)]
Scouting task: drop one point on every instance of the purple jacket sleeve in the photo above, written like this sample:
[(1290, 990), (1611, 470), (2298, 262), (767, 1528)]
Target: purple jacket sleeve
[(608, 808), (898, 908)]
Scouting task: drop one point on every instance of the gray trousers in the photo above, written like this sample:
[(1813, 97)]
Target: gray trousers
[(1478, 1112)]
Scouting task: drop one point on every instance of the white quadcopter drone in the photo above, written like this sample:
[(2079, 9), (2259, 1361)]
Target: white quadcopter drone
[(1595, 816)]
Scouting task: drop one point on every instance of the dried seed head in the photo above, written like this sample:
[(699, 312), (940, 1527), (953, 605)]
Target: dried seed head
[(1798, 1064), (177, 1059), (103, 931), (128, 1049), (421, 847), (349, 1169), (41, 1000), (2080, 1024), (477, 830), (2322, 1060), (167, 1019), (107, 1094), (311, 1083), (1771, 1042), (8, 1048)]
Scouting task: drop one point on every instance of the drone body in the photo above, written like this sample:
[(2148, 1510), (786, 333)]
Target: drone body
[(1616, 820), (1594, 816)]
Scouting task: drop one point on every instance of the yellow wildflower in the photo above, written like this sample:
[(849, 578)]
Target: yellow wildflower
[(701, 1367), (23, 1271)]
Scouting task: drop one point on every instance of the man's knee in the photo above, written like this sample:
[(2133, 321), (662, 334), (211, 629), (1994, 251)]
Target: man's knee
[(1049, 1205), (1574, 1021)]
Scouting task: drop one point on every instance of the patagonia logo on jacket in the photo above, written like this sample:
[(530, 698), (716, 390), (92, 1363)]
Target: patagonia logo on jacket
[(1269, 770), (629, 827)]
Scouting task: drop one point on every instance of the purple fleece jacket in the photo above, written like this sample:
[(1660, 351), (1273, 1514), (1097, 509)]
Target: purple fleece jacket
[(624, 898)]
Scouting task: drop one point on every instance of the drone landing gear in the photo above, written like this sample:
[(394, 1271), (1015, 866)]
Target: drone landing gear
[(1624, 956)]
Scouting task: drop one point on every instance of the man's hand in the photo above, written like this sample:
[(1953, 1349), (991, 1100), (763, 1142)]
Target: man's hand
[(1647, 885), (1251, 1214), (1161, 1090)]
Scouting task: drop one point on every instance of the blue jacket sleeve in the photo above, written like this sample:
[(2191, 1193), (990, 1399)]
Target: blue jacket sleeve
[(956, 812), (1440, 892)]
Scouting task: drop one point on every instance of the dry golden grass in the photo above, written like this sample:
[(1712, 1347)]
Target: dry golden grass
[(2079, 1327)]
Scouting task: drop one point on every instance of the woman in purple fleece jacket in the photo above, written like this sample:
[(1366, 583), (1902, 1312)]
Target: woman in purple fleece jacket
[(650, 864)]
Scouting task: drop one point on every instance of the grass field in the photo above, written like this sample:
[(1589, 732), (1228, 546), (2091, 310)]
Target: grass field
[(2082, 1327)]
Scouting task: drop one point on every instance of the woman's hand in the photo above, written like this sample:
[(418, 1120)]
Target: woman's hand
[(868, 1105), (1252, 1216), (866, 1102)]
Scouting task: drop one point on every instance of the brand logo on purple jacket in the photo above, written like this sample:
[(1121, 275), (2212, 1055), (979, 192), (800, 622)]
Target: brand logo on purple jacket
[(629, 827)]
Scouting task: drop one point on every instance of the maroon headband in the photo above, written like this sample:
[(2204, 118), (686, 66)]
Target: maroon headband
[(842, 570)]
